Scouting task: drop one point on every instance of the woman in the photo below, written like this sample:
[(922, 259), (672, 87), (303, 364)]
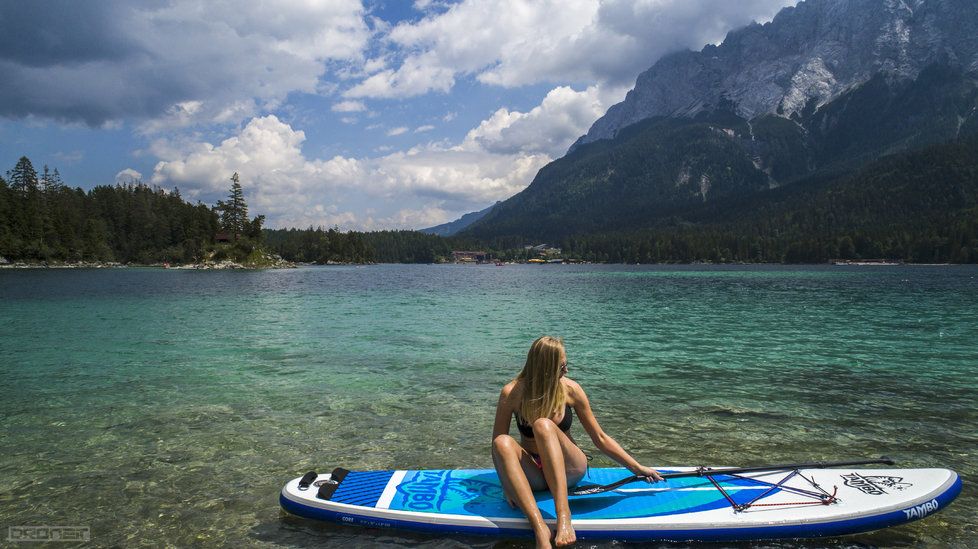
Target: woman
[(544, 401)]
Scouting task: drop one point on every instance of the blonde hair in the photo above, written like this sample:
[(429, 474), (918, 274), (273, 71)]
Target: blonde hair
[(543, 394)]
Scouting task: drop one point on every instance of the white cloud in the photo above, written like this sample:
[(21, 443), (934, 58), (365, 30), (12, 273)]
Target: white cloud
[(425, 128), (416, 76), (519, 42), (69, 157), (414, 188), (374, 65), (349, 106), (408, 189), (412, 218), (348, 120), (454, 174), (180, 115), (550, 128), (127, 176), (267, 155)]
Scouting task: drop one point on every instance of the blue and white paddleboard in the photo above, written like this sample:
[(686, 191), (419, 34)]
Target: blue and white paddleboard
[(759, 505)]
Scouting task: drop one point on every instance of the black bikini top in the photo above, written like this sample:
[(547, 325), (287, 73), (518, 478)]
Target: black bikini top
[(565, 424)]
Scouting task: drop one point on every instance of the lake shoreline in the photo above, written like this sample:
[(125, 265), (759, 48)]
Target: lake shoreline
[(284, 264), (209, 265)]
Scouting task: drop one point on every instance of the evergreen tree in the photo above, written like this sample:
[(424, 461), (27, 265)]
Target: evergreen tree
[(23, 178), (255, 228), (234, 212), (7, 244), (29, 218)]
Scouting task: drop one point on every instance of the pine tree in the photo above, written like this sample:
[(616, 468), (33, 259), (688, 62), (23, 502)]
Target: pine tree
[(7, 245), (234, 212), (29, 225), (51, 180), (23, 177)]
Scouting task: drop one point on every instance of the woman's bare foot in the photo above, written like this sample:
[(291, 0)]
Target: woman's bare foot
[(543, 536), (565, 532)]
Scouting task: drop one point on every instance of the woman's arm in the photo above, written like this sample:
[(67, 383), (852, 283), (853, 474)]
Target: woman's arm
[(504, 413), (603, 441)]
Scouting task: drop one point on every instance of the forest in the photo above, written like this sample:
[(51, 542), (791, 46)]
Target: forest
[(915, 207), (42, 219)]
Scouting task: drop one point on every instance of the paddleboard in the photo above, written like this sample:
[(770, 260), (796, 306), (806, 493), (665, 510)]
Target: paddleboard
[(802, 503)]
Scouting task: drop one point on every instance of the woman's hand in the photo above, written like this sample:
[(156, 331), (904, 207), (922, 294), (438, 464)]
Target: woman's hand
[(650, 474)]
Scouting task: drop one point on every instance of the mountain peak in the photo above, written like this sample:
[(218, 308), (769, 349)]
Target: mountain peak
[(806, 56)]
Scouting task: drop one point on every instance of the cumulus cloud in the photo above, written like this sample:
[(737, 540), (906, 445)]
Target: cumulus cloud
[(519, 42), (425, 128), (349, 106), (170, 62), (267, 154), (549, 128), (127, 176), (422, 186), (416, 76)]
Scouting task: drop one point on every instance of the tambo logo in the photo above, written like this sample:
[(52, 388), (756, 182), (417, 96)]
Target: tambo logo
[(922, 510), (863, 484), (429, 490), (425, 491), (875, 485)]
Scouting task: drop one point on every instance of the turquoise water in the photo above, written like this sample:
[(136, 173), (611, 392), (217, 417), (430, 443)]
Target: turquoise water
[(168, 407)]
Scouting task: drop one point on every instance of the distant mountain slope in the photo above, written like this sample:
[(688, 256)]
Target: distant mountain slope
[(919, 206), (806, 57), (662, 164), (453, 227)]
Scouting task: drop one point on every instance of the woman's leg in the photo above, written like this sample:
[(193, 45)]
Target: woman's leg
[(563, 462), (513, 465)]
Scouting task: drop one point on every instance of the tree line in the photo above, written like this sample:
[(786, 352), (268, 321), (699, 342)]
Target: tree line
[(320, 245), (44, 220)]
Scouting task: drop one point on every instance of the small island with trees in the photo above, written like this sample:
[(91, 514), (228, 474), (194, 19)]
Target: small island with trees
[(44, 222)]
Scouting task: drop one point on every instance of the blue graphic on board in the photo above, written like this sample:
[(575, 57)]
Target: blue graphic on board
[(478, 493)]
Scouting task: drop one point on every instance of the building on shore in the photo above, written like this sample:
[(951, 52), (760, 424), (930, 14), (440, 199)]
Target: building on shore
[(864, 262), (459, 256), (545, 251)]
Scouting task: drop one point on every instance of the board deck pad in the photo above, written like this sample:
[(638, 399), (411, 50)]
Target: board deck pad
[(780, 503), (478, 493)]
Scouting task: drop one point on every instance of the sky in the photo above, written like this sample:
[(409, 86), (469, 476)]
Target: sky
[(366, 115)]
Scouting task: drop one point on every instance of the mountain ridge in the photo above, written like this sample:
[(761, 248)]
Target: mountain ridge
[(662, 164), (453, 227), (806, 56)]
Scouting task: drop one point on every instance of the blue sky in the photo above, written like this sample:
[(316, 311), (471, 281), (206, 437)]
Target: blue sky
[(363, 114)]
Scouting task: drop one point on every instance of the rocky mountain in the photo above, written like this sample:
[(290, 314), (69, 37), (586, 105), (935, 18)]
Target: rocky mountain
[(825, 88), (452, 227), (653, 171), (807, 56)]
